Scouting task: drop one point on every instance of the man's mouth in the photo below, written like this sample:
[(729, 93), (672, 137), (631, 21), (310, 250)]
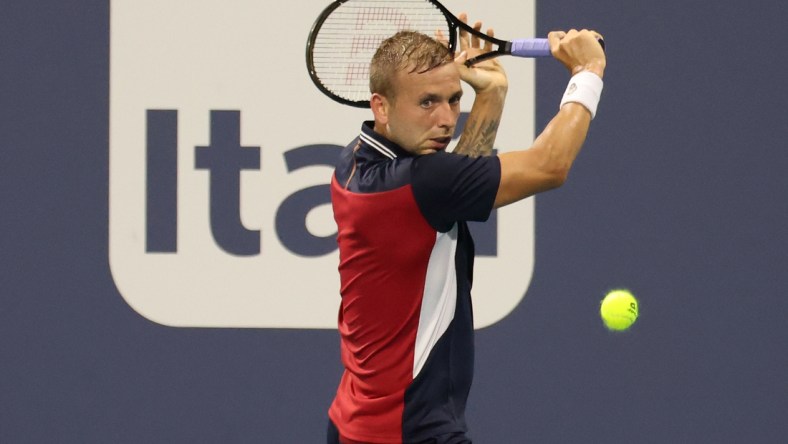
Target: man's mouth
[(443, 142)]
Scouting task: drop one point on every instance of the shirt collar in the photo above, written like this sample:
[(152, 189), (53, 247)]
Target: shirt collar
[(379, 143)]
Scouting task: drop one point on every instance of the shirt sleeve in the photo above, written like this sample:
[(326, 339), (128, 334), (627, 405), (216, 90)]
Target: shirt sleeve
[(451, 187)]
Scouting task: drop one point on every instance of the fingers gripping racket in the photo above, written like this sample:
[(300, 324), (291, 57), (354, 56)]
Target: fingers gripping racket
[(348, 32)]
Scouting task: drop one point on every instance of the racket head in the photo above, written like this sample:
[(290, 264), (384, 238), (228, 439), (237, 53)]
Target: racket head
[(347, 33)]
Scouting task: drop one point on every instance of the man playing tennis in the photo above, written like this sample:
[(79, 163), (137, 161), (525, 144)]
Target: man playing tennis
[(401, 203)]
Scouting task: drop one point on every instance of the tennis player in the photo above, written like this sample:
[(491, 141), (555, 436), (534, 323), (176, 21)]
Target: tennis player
[(401, 203)]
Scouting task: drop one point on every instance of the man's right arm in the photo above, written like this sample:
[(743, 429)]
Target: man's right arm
[(546, 164)]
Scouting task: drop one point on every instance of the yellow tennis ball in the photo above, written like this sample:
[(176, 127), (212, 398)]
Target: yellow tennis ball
[(619, 309)]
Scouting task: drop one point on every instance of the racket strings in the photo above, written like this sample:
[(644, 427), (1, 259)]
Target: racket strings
[(350, 35)]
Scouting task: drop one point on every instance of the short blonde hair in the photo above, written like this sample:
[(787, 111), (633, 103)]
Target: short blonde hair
[(404, 50)]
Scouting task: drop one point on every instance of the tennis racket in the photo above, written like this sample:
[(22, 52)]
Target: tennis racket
[(348, 32)]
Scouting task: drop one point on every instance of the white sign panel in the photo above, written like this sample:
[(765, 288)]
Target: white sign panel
[(220, 158)]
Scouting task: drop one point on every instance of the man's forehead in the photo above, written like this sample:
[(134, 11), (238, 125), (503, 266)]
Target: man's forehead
[(442, 73)]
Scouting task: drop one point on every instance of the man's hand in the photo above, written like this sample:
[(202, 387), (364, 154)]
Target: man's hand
[(578, 51), (487, 75)]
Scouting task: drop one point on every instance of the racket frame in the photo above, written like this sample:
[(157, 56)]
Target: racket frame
[(503, 47), (310, 44)]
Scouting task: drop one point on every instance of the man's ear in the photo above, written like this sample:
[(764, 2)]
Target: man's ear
[(380, 108)]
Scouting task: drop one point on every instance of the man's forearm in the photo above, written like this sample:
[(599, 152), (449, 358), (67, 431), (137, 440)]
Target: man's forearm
[(481, 128)]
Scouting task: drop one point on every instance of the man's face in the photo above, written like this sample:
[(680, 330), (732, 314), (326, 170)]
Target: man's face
[(424, 110)]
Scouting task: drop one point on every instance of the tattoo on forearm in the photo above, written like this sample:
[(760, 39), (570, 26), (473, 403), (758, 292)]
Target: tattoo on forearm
[(478, 138)]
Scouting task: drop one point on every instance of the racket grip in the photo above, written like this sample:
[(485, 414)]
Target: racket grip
[(530, 48)]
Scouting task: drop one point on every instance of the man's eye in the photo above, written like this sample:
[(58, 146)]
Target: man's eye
[(426, 104)]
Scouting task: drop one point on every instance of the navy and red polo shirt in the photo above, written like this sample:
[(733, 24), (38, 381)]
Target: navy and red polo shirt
[(405, 266)]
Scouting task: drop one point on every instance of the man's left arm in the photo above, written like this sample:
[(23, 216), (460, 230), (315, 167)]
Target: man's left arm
[(489, 82)]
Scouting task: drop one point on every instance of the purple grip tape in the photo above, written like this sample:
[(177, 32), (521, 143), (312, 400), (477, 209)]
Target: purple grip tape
[(530, 48)]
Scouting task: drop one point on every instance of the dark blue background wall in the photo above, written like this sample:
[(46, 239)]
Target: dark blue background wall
[(679, 194)]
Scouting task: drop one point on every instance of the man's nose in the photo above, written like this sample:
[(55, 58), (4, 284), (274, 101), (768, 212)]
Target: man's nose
[(446, 116)]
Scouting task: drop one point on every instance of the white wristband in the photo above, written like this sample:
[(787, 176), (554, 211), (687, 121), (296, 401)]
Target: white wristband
[(584, 88)]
